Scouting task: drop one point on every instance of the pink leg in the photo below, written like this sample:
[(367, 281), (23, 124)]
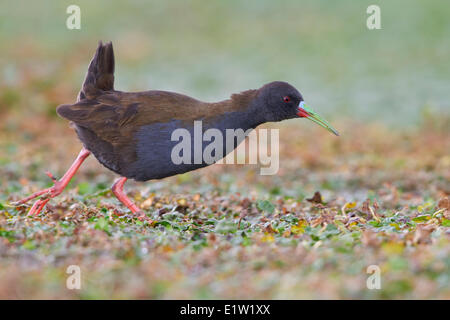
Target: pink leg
[(117, 189), (59, 186)]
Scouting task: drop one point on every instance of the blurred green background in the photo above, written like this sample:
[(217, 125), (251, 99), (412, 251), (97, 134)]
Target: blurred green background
[(226, 232), (209, 49)]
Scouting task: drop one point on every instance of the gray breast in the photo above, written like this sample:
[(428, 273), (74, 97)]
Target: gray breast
[(156, 144)]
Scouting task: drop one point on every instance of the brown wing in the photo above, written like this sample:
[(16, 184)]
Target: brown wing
[(114, 116), (106, 124)]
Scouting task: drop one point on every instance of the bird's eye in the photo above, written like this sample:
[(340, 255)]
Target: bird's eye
[(286, 99)]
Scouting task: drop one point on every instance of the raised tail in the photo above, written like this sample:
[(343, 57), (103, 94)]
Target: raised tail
[(100, 74)]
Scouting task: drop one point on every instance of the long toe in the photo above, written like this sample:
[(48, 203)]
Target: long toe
[(38, 206)]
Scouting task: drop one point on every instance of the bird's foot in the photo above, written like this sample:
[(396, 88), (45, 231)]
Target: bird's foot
[(58, 187), (45, 195)]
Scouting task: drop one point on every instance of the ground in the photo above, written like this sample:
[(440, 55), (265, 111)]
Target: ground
[(227, 232)]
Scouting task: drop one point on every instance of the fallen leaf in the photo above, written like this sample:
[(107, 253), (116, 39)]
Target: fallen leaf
[(245, 203), (299, 228), (317, 198), (423, 218), (268, 228), (348, 205)]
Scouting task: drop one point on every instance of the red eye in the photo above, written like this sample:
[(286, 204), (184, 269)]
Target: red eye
[(286, 99)]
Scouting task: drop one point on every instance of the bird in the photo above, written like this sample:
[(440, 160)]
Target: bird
[(130, 133)]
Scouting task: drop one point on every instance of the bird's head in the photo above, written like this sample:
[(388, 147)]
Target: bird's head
[(278, 101)]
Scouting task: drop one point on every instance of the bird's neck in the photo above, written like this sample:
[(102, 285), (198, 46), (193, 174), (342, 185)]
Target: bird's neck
[(243, 99), (243, 111)]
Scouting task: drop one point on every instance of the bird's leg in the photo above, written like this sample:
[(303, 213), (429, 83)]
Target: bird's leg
[(59, 186), (117, 189)]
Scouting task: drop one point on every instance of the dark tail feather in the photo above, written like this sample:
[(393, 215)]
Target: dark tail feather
[(100, 74)]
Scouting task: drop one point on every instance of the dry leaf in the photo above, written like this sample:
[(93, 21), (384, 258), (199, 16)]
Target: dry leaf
[(317, 198), (300, 227), (348, 205), (268, 228)]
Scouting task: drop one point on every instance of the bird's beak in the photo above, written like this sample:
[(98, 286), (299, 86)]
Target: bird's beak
[(305, 112)]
